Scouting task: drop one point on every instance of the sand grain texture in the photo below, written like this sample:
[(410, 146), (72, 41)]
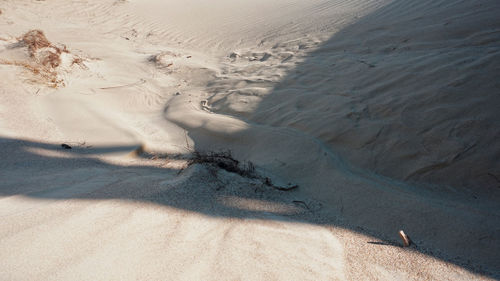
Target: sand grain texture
[(383, 113)]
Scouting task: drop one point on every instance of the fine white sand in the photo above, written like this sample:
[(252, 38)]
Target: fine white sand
[(384, 113)]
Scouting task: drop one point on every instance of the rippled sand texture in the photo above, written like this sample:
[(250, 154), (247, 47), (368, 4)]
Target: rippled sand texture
[(360, 118)]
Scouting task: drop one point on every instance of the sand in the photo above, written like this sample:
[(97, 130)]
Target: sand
[(383, 113)]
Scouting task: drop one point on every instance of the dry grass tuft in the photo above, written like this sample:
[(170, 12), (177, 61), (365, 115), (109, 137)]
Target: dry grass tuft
[(225, 161), (29, 67), (77, 60), (51, 59), (41, 49), (46, 76), (35, 39), (46, 57), (218, 160)]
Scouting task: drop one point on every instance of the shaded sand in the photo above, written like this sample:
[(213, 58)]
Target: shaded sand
[(384, 113)]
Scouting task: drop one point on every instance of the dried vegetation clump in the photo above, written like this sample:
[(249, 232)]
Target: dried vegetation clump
[(42, 50), (45, 57), (225, 161), (35, 39), (163, 59)]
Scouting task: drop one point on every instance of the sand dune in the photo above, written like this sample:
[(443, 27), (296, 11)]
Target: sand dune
[(383, 113)]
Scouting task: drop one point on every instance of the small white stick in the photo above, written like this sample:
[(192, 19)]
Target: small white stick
[(405, 238)]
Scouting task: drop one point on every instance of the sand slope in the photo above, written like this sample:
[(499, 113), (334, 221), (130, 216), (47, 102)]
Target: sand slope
[(383, 112)]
